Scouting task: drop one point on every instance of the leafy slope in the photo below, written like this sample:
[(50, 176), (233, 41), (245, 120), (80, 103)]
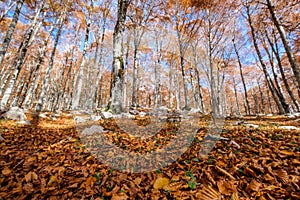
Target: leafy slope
[(48, 161)]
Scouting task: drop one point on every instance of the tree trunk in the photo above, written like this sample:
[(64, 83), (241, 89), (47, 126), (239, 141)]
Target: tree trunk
[(16, 68), (262, 100), (202, 106), (78, 93), (100, 64), (236, 97), (134, 101), (278, 91), (10, 5), (157, 71), (283, 37), (41, 98), (10, 31), (284, 79), (269, 82), (247, 105), (115, 103), (34, 82)]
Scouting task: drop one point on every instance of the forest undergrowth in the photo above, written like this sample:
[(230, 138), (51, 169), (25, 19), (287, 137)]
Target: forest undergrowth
[(47, 160)]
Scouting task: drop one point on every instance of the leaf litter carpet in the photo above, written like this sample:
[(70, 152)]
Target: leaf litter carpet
[(48, 160)]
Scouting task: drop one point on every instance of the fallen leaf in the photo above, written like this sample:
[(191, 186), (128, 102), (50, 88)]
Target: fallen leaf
[(286, 153), (208, 193), (253, 186), (6, 171), (160, 183), (226, 187), (52, 181), (175, 186), (137, 181), (119, 196)]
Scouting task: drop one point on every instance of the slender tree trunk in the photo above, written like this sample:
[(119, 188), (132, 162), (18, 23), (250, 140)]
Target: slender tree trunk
[(284, 79), (184, 78), (283, 37), (99, 72), (270, 103), (202, 106), (16, 68), (34, 82), (247, 105), (177, 90), (255, 102), (60, 84), (171, 87), (78, 93), (10, 5), (194, 93), (10, 31), (236, 97), (269, 82), (136, 60), (262, 99), (115, 103), (278, 91), (157, 71), (22, 93), (41, 98)]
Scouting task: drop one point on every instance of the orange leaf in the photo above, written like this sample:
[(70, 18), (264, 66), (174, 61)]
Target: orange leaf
[(52, 181), (6, 171), (160, 183), (119, 196)]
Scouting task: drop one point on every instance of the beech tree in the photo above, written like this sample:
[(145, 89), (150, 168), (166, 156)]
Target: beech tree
[(10, 30), (115, 102), (222, 57)]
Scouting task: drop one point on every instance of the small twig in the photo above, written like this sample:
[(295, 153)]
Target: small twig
[(19, 163), (225, 172)]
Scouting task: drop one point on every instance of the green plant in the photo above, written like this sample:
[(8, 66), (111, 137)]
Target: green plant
[(192, 184), (98, 177)]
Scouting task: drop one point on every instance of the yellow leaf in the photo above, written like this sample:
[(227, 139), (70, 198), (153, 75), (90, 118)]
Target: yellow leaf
[(52, 181), (287, 153), (6, 171), (160, 183), (270, 188), (119, 196), (137, 181)]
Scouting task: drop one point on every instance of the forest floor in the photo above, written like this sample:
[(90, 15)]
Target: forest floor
[(47, 160)]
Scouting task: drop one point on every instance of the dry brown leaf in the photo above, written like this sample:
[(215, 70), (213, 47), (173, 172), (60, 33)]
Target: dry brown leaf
[(75, 185), (286, 153), (31, 176), (208, 193), (270, 179), (6, 171), (175, 186), (137, 181), (119, 196), (249, 171), (282, 176), (226, 187), (253, 186), (28, 188), (270, 188), (52, 181), (160, 183), (235, 196), (296, 162)]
